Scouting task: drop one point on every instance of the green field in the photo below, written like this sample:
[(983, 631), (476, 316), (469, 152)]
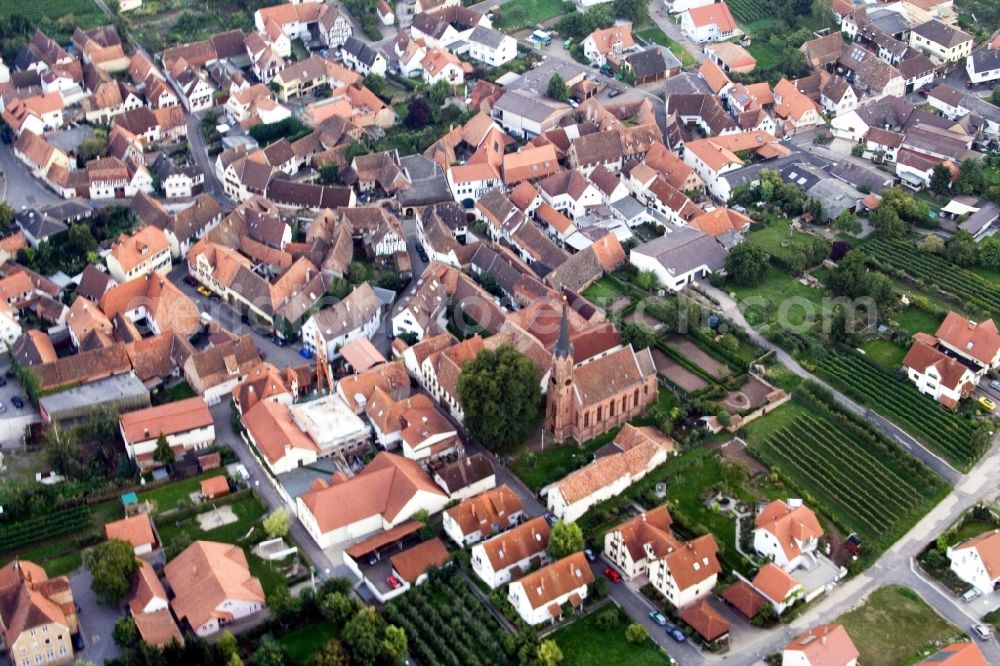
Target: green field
[(539, 469), (585, 643), (763, 54), (776, 240), (248, 511), (896, 399), (302, 643), (864, 482), (167, 496), (779, 294), (883, 352), (914, 320), (519, 14), (657, 36), (604, 290), (895, 626), (52, 9)]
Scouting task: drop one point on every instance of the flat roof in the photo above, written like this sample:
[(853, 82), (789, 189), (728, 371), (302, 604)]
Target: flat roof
[(110, 389), (328, 421)]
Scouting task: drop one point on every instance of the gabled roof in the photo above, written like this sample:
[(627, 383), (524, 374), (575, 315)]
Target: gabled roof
[(957, 654), (825, 645), (980, 340), (789, 526), (705, 620), (487, 512), (774, 583), (547, 584), (525, 541), (205, 575), (922, 356), (136, 530), (987, 545), (717, 14), (416, 561), (942, 33)]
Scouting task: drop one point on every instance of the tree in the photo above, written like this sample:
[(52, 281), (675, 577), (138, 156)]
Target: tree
[(163, 453), (500, 396), (62, 451), (971, 179), (564, 539), (418, 113), (363, 635), (962, 249), (439, 93), (557, 89), (283, 606), (636, 11), (647, 280), (940, 180), (111, 564), (888, 223), (395, 645), (638, 334), (995, 97), (329, 174), (269, 652), (93, 147), (635, 633), (746, 264), (234, 660), (848, 222), (549, 653), (226, 643), (333, 654), (125, 633), (989, 250), (6, 217), (277, 523), (931, 244), (375, 83), (337, 607)]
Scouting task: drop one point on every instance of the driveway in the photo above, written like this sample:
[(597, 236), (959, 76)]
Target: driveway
[(96, 621), (13, 421)]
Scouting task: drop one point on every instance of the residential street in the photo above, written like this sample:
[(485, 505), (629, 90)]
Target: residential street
[(97, 621), (22, 189)]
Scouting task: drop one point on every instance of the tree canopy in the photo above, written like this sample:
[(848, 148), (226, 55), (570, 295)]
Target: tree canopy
[(564, 539), (746, 264), (557, 89), (111, 564), (500, 396)]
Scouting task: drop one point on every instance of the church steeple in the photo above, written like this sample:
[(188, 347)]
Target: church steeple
[(563, 348)]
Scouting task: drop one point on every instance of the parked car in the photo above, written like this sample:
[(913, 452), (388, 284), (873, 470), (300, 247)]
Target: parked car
[(612, 575), (373, 559), (189, 280), (306, 353), (590, 555), (995, 384), (393, 582), (203, 290), (658, 618), (278, 341), (615, 92), (971, 595), (986, 403), (17, 402), (78, 643), (3, 381), (853, 543), (3, 408), (982, 632), (676, 633)]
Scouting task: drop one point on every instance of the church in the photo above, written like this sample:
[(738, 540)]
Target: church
[(587, 399)]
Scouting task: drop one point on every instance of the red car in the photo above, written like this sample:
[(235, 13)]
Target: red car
[(613, 575), (393, 582)]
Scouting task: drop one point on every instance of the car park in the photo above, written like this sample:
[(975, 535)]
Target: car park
[(658, 618)]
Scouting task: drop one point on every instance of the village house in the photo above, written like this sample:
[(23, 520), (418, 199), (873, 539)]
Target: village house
[(977, 561), (145, 251), (466, 477), (683, 572), (956, 654), (357, 316), (483, 516), (135, 530), (32, 606), (186, 424), (680, 257), (823, 645), (983, 66), (787, 534), (387, 492), (608, 45), (935, 373), (491, 47), (512, 553), (362, 58), (215, 371), (212, 586), (778, 587), (632, 454), (941, 43), (539, 596), (709, 23)]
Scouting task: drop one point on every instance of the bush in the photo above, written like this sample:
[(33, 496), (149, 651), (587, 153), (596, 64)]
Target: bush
[(636, 633)]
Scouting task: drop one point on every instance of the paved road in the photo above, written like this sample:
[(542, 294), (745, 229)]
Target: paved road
[(731, 309), (97, 621), (660, 17), (22, 189), (201, 158)]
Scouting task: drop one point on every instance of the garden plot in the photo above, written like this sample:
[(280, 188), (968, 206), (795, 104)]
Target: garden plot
[(699, 357), (751, 395), (677, 373)]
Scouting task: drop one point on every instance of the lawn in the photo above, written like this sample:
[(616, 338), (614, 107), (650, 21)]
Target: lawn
[(780, 296), (58, 558), (777, 241), (539, 469), (602, 290), (585, 643), (519, 14), (167, 496), (267, 572), (179, 391), (885, 353), (657, 36), (895, 626), (763, 54), (304, 642), (248, 511), (914, 320)]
